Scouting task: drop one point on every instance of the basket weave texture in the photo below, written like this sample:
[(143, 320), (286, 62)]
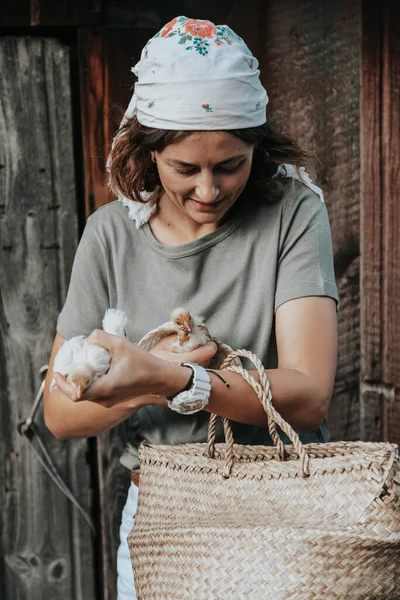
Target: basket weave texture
[(301, 522)]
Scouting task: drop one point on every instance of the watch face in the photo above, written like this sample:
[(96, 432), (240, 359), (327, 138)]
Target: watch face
[(196, 398), (185, 404)]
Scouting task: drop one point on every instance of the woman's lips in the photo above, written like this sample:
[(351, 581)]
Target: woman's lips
[(206, 207)]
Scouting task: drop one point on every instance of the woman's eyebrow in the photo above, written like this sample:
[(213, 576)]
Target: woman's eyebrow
[(232, 158), (182, 163)]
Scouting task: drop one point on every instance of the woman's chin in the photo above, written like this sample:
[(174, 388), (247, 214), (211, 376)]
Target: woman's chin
[(208, 218)]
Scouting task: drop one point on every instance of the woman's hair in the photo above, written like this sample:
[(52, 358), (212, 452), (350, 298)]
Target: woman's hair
[(133, 171)]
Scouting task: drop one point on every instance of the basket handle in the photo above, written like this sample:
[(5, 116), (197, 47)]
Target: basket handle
[(263, 391)]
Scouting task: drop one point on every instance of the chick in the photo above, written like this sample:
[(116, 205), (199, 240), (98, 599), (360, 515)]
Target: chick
[(191, 332), (82, 363)]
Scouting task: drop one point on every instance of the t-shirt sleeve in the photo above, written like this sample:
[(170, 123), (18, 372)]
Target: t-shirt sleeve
[(87, 297), (305, 265)]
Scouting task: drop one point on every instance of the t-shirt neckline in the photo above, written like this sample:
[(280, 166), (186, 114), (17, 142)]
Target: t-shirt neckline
[(206, 241)]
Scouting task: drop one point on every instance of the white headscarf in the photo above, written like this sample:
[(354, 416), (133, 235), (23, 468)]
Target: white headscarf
[(194, 75)]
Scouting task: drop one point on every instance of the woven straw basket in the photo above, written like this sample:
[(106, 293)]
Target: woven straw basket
[(299, 522)]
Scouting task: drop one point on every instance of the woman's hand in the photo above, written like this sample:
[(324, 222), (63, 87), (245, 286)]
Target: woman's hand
[(125, 377), (200, 355), (135, 374)]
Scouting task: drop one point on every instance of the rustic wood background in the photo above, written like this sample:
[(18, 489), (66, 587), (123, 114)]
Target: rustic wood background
[(332, 70), (44, 543)]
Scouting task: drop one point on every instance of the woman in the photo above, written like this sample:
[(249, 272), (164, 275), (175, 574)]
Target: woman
[(220, 228)]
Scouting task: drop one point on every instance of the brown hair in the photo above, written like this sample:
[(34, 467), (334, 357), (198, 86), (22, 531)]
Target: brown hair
[(133, 171)]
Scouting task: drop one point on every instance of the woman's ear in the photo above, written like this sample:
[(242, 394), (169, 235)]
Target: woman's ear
[(153, 157)]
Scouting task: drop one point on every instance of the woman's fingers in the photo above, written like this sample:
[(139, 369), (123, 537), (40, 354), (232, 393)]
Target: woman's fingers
[(200, 355), (98, 337), (99, 389), (67, 388)]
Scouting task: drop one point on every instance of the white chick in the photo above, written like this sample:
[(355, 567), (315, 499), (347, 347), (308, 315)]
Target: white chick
[(82, 363), (192, 333)]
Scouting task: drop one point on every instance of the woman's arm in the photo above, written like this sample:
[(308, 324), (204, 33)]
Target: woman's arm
[(306, 332), (94, 414), (85, 419), (301, 386)]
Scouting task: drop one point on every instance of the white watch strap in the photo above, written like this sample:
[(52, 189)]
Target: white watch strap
[(201, 382), (195, 399)]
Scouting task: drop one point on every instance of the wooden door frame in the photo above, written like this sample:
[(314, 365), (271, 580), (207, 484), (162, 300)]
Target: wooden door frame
[(380, 221)]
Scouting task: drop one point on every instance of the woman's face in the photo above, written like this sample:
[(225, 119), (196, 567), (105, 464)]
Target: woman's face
[(204, 174)]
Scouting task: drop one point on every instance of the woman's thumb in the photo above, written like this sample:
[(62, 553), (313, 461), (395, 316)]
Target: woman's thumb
[(98, 337), (202, 354)]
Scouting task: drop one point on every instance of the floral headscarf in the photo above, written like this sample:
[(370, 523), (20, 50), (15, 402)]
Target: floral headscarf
[(196, 75)]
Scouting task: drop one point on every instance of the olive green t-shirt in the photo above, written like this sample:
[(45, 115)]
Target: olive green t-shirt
[(235, 277)]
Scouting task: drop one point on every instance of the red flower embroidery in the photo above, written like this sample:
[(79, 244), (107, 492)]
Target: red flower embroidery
[(203, 29), (169, 27)]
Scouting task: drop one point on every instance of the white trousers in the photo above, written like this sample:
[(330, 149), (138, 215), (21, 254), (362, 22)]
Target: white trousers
[(125, 582)]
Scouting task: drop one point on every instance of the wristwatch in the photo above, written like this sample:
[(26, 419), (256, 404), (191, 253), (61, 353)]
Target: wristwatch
[(196, 397)]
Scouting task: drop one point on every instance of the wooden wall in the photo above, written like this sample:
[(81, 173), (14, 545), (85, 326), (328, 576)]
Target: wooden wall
[(44, 543), (380, 222), (332, 71), (311, 61)]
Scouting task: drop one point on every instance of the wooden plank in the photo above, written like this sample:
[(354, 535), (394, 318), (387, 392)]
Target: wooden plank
[(344, 418), (391, 215), (106, 57), (310, 64), (371, 218), (380, 210), (38, 227)]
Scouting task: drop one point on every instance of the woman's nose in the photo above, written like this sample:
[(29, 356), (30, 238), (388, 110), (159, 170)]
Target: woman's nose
[(207, 189)]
